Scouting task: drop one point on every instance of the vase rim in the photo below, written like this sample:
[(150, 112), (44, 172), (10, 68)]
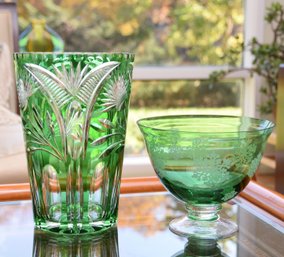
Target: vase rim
[(73, 53)]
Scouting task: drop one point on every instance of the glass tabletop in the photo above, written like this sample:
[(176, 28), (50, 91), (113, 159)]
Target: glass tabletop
[(142, 231)]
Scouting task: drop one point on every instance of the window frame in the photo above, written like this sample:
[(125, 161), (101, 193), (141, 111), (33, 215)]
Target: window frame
[(253, 27)]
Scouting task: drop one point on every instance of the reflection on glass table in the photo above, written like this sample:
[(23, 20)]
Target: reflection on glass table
[(201, 247), (46, 245), (143, 231)]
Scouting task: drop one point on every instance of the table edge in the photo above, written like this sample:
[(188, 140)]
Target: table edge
[(268, 200)]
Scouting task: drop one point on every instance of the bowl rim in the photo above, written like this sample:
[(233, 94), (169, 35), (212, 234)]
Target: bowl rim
[(270, 124)]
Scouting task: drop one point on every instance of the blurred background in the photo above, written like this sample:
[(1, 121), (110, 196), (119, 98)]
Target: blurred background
[(161, 33), (178, 44)]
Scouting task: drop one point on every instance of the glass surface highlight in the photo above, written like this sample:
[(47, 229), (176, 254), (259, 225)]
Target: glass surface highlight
[(205, 161), (74, 110)]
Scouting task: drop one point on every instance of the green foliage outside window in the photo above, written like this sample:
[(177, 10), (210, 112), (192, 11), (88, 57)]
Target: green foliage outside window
[(267, 58), (186, 93)]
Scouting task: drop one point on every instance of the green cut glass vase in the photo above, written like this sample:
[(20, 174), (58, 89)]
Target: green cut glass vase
[(74, 110), (205, 161)]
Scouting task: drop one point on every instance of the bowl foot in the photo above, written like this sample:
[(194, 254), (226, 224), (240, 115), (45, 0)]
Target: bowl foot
[(203, 229)]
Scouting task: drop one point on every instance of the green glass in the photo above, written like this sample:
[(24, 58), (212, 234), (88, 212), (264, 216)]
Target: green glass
[(205, 161), (74, 110)]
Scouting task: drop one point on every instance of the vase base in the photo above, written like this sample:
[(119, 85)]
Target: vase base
[(70, 230)]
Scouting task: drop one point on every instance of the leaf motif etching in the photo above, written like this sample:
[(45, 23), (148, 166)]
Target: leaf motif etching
[(217, 166), (229, 195), (44, 141), (117, 137), (72, 93), (254, 165), (211, 168)]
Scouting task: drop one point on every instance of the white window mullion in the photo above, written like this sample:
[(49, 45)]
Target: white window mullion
[(181, 72), (253, 27)]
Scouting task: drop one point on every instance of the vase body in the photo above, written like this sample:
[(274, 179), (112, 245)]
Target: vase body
[(74, 110), (39, 37)]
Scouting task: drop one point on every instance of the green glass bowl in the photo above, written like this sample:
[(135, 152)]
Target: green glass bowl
[(205, 161)]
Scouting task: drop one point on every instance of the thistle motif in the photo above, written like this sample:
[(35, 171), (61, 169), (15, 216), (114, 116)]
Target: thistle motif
[(24, 92), (115, 94)]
